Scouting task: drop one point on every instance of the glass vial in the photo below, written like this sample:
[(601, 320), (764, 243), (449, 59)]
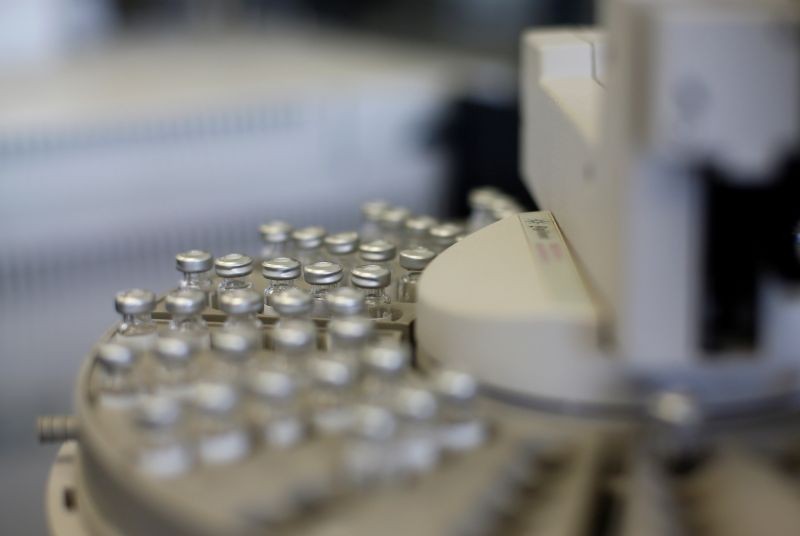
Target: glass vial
[(373, 280), (273, 408), (275, 235), (461, 426), (232, 351), (332, 399), (221, 427), (163, 449), (292, 303), (173, 372), (196, 267), (345, 301), (385, 365), (416, 231), (381, 252), (342, 248), (242, 308), (137, 328), (444, 235), (116, 384), (293, 340), (186, 305), (233, 270), (371, 215), (281, 274), (308, 244), (392, 222), (322, 276), (414, 261)]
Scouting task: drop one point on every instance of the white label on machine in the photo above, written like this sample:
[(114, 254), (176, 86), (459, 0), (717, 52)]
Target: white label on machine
[(554, 264)]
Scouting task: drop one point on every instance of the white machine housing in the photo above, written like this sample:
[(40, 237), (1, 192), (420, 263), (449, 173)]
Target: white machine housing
[(615, 130)]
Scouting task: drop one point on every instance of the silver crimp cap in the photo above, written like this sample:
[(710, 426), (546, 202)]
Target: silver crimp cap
[(341, 243), (186, 301), (194, 261), (275, 232), (240, 302), (233, 265), (322, 273), (308, 237), (378, 251), (345, 301), (135, 301), (291, 302), (370, 276), (416, 258), (281, 269)]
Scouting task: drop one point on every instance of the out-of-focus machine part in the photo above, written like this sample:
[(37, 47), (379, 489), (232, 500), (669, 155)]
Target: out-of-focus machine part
[(623, 363)]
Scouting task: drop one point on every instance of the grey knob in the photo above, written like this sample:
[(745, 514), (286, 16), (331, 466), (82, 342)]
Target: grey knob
[(416, 258), (233, 265), (275, 232), (377, 251), (186, 301), (322, 273), (240, 302), (370, 276), (135, 301), (281, 269), (194, 261)]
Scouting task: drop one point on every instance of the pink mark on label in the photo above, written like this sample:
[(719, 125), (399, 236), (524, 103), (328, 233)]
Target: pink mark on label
[(558, 253), (543, 252)]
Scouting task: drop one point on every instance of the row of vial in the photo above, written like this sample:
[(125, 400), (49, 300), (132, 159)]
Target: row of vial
[(216, 404)]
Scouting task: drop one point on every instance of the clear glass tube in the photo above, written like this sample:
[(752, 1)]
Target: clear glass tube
[(377, 303), (191, 327), (198, 280), (276, 286), (407, 286), (319, 293), (234, 283), (273, 250)]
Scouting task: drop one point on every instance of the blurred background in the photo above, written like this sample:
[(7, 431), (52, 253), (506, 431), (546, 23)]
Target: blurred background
[(134, 129)]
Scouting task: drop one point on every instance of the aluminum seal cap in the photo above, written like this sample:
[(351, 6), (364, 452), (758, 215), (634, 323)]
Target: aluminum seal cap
[(322, 273), (275, 232), (272, 385), (416, 258), (387, 358), (294, 335), (194, 261), (370, 276), (308, 237), (351, 330), (233, 265), (240, 302), (377, 251), (445, 234), (345, 301), (214, 397), (281, 269), (341, 243), (115, 357), (135, 301), (394, 217), (231, 342), (419, 225), (157, 411), (185, 301), (173, 350), (291, 302), (372, 210)]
